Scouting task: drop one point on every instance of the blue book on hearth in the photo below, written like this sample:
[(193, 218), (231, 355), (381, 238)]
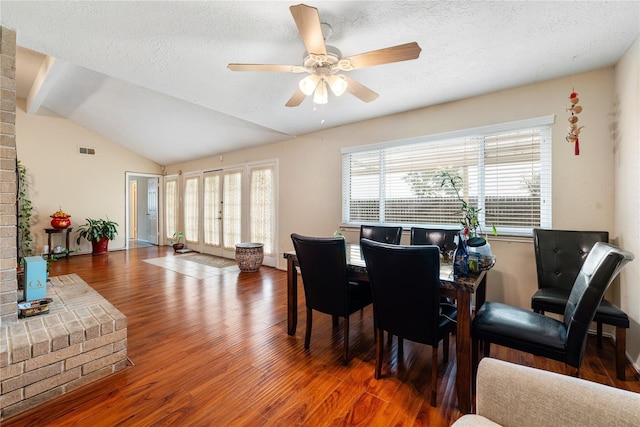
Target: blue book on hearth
[(35, 278)]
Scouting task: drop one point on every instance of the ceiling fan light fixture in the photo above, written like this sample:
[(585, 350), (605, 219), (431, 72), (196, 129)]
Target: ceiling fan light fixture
[(338, 84), (320, 96), (308, 84), (345, 65)]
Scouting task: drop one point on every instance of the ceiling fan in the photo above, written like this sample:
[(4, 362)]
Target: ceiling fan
[(324, 63)]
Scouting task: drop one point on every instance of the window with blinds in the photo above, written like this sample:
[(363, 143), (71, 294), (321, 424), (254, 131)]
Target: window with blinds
[(505, 171), (171, 207)]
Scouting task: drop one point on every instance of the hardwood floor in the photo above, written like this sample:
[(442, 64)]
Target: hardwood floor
[(215, 352)]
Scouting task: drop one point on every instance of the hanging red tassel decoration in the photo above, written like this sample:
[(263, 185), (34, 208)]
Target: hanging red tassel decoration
[(574, 129)]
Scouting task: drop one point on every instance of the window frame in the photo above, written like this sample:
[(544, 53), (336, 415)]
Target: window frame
[(543, 123)]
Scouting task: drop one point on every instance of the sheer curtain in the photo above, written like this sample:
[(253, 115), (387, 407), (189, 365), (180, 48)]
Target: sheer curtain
[(262, 207), (191, 206), (171, 207)]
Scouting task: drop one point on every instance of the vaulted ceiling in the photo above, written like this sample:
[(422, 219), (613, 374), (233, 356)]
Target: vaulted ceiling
[(153, 76)]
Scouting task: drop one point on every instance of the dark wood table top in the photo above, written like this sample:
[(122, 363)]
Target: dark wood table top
[(357, 266)]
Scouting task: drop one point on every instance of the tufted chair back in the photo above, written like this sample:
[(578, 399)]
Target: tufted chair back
[(561, 253), (382, 234), (441, 237)]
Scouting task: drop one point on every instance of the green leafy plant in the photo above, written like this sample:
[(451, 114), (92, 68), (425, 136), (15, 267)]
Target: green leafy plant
[(177, 236), (469, 220), (24, 215), (96, 229)]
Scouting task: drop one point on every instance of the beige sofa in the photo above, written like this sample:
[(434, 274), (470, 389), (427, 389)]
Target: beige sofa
[(515, 395)]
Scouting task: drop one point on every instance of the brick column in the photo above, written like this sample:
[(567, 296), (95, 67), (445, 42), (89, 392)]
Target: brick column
[(8, 222)]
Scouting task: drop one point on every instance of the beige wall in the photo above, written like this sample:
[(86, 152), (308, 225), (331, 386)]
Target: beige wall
[(627, 183), (310, 167), (82, 185)]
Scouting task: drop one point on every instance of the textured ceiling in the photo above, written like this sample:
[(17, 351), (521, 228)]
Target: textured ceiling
[(152, 76)]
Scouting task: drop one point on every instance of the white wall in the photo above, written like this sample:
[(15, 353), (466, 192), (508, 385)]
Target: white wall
[(626, 123), (82, 185)]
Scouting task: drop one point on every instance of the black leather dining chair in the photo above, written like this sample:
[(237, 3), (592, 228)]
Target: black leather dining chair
[(323, 265), (442, 237), (535, 333), (405, 284), (383, 234), (559, 256)]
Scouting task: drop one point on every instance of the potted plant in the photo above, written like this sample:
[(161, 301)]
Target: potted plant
[(98, 232), (469, 219), (175, 240)]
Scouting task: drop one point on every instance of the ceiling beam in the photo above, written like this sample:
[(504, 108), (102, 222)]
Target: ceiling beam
[(49, 73)]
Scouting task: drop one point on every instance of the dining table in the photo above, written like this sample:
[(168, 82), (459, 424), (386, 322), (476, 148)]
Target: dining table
[(459, 288)]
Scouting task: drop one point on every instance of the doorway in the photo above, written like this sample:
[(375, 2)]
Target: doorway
[(142, 216)]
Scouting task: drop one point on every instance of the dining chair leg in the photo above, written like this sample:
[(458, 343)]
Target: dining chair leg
[(335, 320), (346, 339), (434, 375), (400, 347), (307, 335), (379, 349), (571, 371), (621, 346)]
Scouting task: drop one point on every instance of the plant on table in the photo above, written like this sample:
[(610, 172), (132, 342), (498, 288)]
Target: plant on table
[(469, 220)]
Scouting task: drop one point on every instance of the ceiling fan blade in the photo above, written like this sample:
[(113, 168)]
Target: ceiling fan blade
[(266, 67), (387, 55), (296, 99), (360, 91), (308, 23)]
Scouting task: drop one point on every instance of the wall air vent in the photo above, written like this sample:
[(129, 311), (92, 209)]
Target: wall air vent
[(85, 150)]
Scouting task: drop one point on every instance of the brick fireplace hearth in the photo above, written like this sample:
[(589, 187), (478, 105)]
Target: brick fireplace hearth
[(83, 338)]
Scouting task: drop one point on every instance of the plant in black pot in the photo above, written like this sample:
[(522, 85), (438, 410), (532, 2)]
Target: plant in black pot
[(98, 232), (176, 240)]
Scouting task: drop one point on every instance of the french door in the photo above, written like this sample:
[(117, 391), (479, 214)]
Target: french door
[(224, 207), (222, 211)]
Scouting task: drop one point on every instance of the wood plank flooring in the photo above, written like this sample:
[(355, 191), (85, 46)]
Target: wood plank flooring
[(215, 352)]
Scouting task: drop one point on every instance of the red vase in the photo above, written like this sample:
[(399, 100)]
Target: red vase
[(61, 222), (101, 246)]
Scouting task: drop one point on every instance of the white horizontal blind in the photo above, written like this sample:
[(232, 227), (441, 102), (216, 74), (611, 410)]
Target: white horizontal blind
[(506, 174)]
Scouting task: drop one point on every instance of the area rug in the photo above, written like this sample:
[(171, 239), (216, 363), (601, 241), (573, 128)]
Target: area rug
[(210, 260), (195, 264)]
